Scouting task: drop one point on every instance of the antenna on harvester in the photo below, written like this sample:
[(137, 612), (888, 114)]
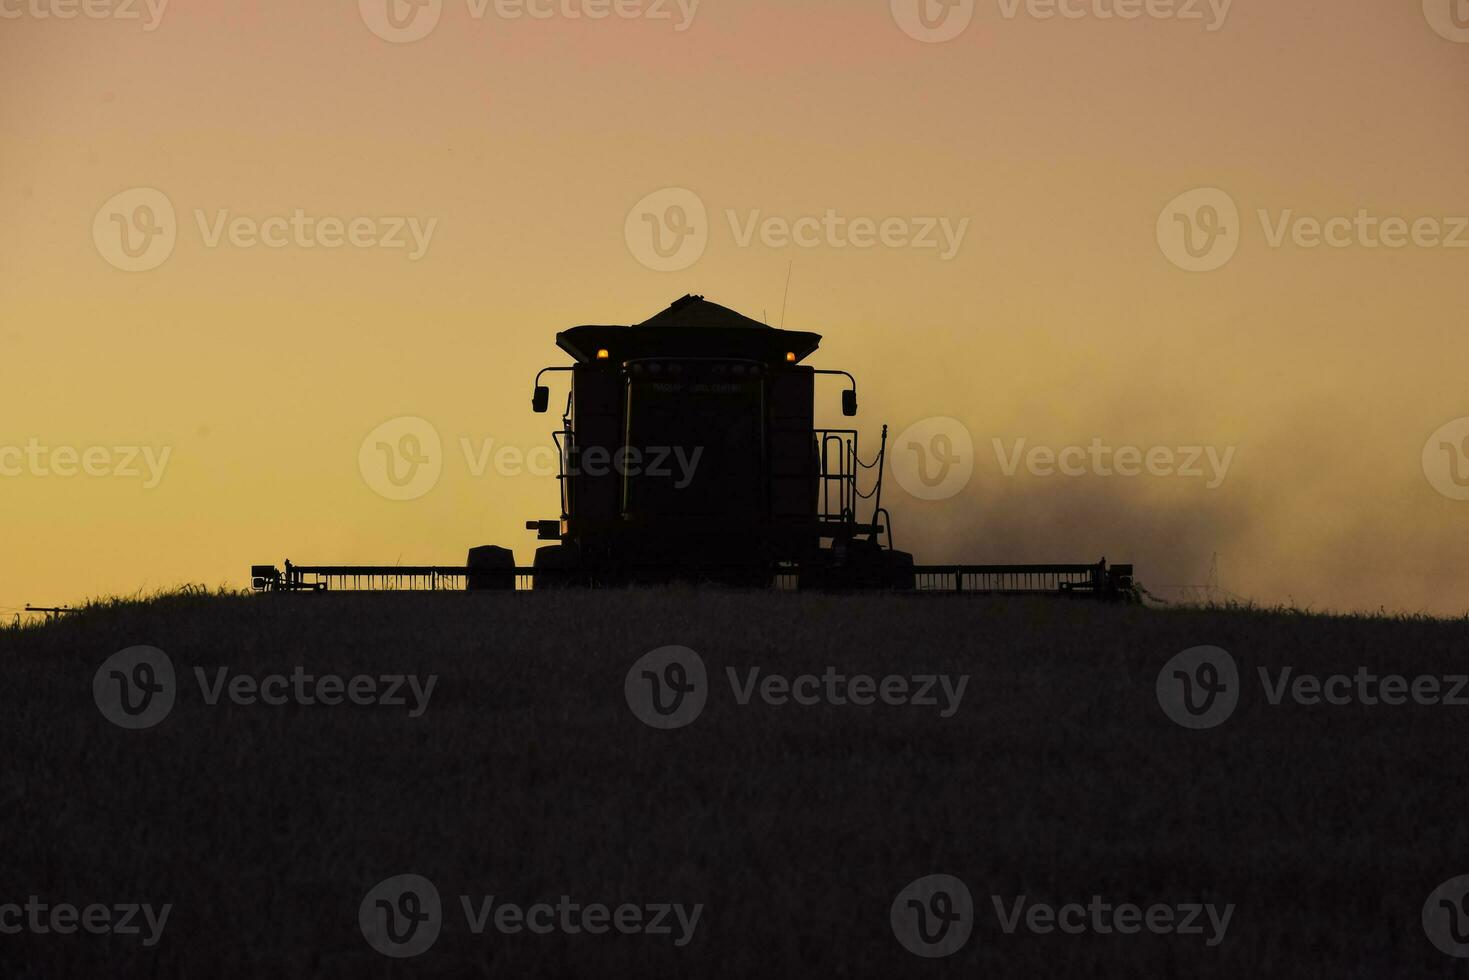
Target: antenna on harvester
[(787, 296)]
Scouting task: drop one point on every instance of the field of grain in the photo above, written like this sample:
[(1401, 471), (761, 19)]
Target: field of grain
[(528, 776)]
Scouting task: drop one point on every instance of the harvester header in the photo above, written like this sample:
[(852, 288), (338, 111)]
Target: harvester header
[(759, 496)]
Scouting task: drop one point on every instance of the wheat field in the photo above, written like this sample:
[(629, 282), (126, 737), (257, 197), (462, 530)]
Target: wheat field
[(527, 775)]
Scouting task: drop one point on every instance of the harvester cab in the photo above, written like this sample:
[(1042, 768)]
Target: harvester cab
[(689, 450)]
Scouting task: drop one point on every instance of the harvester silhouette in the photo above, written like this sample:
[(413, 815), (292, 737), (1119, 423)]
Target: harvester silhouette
[(689, 452)]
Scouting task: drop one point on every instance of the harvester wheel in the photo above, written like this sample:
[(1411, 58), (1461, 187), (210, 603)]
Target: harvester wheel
[(490, 568), (556, 566)]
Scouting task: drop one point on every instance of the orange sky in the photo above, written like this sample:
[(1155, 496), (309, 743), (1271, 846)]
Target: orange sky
[(520, 146)]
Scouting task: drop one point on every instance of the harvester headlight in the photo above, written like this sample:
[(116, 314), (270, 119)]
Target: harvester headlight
[(603, 354)]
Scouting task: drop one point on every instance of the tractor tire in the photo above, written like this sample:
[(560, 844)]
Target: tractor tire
[(557, 566)]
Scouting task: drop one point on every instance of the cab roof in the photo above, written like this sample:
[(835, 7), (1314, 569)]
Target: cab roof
[(690, 327)]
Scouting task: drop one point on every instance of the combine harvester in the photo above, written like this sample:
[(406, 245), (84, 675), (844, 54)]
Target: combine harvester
[(689, 452)]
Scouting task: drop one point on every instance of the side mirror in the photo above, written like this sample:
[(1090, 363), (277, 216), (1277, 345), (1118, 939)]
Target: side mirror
[(540, 400), (849, 402)]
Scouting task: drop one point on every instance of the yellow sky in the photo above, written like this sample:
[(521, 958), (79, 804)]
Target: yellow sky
[(1061, 318)]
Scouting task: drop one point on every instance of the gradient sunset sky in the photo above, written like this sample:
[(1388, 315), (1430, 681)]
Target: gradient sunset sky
[(1062, 318)]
